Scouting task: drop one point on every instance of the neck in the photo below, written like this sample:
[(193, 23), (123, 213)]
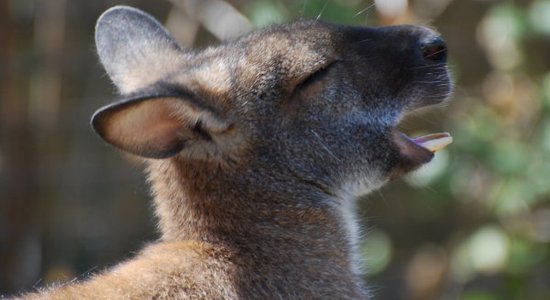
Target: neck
[(238, 212)]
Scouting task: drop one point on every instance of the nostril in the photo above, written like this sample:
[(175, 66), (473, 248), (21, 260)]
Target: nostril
[(434, 49)]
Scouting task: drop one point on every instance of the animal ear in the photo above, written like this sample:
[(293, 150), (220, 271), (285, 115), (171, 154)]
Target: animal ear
[(158, 127), (135, 49)]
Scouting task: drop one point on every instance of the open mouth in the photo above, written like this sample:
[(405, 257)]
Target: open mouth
[(414, 152)]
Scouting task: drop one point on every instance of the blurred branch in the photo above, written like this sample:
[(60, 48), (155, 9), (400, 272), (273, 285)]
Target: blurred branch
[(182, 27), (218, 17), (17, 176), (49, 32), (428, 10)]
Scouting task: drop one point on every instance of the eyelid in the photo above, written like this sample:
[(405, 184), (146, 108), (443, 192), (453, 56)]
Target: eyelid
[(315, 75)]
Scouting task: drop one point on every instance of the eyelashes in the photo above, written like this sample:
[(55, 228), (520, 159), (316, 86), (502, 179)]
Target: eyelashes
[(315, 77)]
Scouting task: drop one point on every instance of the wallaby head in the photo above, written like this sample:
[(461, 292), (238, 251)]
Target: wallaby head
[(273, 135)]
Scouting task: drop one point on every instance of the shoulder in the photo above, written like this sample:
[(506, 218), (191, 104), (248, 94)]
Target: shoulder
[(179, 270)]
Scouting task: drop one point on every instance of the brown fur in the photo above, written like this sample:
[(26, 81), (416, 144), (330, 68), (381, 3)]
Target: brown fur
[(256, 152)]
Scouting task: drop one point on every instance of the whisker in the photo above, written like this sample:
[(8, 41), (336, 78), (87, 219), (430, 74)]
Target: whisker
[(324, 145), (38, 282), (362, 41), (383, 198), (436, 52), (429, 66), (303, 11), (322, 10), (423, 81), (84, 274), (363, 10)]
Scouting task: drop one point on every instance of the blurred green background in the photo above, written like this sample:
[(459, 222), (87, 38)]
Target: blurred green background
[(474, 224)]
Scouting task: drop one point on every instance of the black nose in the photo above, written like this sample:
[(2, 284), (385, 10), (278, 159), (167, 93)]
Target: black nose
[(434, 49)]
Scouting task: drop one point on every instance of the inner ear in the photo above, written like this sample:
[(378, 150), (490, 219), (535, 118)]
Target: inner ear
[(157, 127)]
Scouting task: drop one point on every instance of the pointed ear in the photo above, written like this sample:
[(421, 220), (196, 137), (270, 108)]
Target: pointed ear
[(157, 127), (134, 48)]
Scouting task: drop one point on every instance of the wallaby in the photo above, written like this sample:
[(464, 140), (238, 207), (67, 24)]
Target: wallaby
[(256, 151)]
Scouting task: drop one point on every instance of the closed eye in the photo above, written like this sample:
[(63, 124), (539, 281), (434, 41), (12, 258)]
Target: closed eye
[(314, 77)]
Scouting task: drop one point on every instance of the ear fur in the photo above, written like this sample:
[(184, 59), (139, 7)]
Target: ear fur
[(158, 126), (135, 49)]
